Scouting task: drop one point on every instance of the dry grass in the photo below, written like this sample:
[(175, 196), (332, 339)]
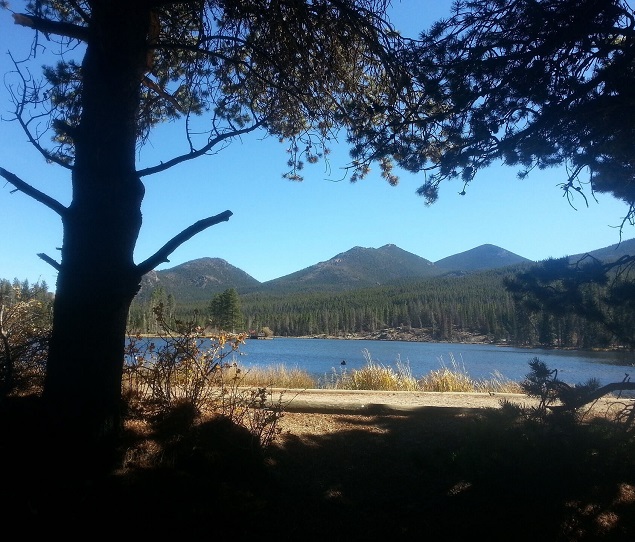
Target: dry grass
[(376, 376), (457, 379), (278, 376)]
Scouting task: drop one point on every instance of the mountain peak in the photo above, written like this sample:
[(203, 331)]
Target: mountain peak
[(359, 267), (480, 258), (197, 279), (356, 268)]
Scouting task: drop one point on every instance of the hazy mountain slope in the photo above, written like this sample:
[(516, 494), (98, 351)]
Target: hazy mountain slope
[(480, 258), (610, 253)]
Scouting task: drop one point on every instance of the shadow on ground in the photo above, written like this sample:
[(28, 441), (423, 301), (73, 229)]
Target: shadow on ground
[(430, 474)]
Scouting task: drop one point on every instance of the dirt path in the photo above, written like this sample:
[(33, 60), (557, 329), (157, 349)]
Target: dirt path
[(376, 402)]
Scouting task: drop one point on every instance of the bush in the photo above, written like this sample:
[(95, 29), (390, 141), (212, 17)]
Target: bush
[(190, 369), (25, 328)]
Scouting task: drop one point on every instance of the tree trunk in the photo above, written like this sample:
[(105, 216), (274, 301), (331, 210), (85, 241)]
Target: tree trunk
[(98, 278)]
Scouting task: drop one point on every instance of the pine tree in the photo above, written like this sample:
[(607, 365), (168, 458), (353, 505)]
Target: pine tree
[(224, 311)]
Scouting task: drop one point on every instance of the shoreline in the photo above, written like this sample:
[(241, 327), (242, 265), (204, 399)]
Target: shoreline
[(397, 335), (476, 339)]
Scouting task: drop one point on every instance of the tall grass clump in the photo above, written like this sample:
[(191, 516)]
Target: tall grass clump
[(375, 376), (454, 379), (457, 379), (501, 384), (279, 376)]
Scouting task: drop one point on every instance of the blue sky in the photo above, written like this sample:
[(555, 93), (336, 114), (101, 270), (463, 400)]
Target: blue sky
[(279, 226)]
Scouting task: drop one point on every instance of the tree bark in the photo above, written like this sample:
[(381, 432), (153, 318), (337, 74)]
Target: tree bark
[(97, 276)]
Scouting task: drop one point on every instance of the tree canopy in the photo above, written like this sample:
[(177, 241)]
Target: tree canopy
[(299, 71), (535, 84)]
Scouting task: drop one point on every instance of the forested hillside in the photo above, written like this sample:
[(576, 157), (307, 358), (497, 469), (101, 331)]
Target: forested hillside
[(443, 308), (463, 304)]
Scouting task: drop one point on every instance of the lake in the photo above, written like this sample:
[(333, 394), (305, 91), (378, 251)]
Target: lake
[(322, 357)]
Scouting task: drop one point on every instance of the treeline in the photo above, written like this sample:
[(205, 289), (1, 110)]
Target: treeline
[(443, 307), (12, 291)]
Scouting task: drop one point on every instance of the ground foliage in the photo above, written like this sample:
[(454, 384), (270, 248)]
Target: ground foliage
[(451, 308), (443, 473), (25, 327), (181, 469)]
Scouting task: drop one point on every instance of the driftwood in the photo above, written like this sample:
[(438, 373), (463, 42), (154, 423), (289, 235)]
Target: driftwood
[(572, 399)]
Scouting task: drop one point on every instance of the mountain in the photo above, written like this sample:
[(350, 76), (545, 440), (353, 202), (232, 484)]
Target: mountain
[(481, 258), (356, 268), (197, 280), (610, 253)]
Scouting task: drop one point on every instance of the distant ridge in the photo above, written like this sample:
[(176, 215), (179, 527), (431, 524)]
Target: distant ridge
[(359, 267), (480, 258), (610, 253), (356, 268)]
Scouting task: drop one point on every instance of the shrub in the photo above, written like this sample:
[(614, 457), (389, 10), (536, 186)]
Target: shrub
[(25, 327), (190, 369)]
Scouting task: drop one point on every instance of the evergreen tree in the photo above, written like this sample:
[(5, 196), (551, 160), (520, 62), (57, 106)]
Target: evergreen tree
[(224, 311), (601, 295), (532, 83), (297, 70)]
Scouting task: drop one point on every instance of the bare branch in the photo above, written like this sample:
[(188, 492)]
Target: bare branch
[(166, 95), (30, 89), (51, 27), (162, 254), (50, 261), (22, 186), (200, 152)]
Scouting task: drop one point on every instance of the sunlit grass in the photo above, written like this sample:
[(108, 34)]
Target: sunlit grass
[(278, 376), (377, 376), (372, 376), (456, 379)]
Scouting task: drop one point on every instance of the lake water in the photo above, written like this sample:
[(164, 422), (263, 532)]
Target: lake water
[(322, 357)]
